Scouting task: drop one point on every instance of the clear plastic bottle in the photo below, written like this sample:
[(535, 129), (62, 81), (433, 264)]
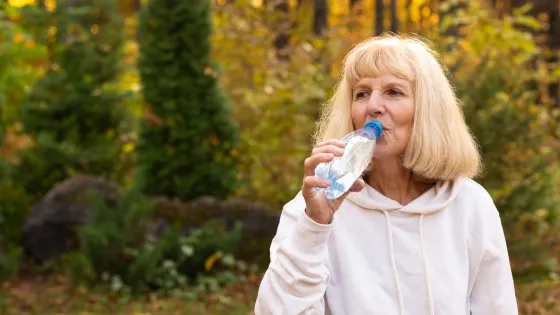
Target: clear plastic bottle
[(344, 170)]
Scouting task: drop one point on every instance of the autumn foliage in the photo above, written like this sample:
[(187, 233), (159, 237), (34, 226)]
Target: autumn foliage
[(211, 109)]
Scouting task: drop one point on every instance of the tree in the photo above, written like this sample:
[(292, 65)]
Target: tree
[(378, 27), (515, 123), (320, 11), (186, 143), (74, 112), (394, 17)]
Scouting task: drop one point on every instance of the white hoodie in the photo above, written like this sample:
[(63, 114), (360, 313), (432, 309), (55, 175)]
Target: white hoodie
[(444, 254)]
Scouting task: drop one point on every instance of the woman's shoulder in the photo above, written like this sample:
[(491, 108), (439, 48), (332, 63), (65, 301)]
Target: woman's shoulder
[(475, 198), (471, 188)]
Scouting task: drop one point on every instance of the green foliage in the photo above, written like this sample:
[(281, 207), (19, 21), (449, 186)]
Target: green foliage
[(187, 137), (2, 131), (74, 112), (501, 76), (276, 102), (14, 206), (111, 231), (119, 248), (19, 55), (10, 262)]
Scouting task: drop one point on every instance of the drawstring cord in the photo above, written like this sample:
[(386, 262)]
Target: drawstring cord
[(393, 265), (428, 286)]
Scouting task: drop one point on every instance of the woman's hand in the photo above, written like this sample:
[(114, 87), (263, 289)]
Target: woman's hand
[(318, 207)]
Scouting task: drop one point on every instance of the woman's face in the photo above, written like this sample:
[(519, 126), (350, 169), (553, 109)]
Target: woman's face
[(390, 100)]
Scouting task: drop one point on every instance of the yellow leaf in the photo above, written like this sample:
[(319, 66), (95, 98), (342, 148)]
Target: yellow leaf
[(129, 147), (209, 263), (18, 39)]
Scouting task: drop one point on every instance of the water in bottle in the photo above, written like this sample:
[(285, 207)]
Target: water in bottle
[(343, 171)]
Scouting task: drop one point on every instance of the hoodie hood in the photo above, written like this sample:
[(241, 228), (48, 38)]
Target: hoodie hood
[(433, 200)]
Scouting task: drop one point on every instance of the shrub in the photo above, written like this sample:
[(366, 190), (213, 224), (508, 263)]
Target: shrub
[(120, 247), (501, 77), (74, 112), (14, 206), (186, 143)]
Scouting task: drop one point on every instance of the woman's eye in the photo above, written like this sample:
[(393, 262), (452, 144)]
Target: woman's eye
[(361, 95), (394, 92)]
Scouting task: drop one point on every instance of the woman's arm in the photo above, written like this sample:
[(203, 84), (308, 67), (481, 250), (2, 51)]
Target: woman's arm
[(493, 291), (297, 277)]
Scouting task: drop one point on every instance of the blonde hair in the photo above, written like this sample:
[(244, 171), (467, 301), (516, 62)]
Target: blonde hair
[(441, 146)]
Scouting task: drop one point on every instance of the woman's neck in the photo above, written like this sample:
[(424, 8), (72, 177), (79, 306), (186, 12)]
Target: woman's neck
[(394, 181)]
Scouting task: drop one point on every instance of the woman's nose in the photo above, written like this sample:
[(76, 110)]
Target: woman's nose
[(375, 105)]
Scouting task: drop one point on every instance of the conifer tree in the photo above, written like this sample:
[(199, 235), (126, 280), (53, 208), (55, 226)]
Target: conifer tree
[(185, 147), (75, 111)]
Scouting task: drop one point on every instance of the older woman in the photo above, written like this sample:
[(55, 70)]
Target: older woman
[(415, 235)]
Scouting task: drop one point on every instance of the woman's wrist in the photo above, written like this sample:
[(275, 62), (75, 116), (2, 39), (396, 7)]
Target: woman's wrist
[(320, 219)]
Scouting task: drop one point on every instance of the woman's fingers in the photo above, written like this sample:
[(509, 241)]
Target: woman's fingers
[(335, 142), (311, 162), (329, 148), (310, 182), (323, 152)]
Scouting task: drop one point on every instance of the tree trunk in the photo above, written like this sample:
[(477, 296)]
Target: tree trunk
[(320, 9), (283, 25), (408, 21), (394, 17), (378, 17), (136, 4)]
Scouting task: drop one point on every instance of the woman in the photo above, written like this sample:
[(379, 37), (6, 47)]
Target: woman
[(416, 235)]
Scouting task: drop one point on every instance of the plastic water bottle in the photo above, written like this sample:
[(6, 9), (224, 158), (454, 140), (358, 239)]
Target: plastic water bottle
[(342, 171)]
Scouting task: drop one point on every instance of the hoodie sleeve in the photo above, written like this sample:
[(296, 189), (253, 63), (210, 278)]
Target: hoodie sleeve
[(493, 291), (296, 279)]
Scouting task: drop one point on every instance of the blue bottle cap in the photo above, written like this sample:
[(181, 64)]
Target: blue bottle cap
[(376, 126)]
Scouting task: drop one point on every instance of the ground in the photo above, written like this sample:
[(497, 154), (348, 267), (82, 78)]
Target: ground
[(50, 295)]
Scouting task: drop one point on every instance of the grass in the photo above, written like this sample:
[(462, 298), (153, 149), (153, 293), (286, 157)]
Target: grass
[(53, 295), (50, 295)]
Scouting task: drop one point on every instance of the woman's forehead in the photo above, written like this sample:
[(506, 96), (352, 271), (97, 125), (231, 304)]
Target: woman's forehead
[(384, 80), (375, 68)]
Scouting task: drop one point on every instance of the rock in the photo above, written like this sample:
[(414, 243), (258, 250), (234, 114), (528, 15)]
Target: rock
[(259, 224), (49, 229), (259, 227)]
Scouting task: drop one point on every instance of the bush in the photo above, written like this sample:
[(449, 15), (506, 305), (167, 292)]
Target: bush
[(20, 56), (119, 247), (74, 112), (185, 146), (14, 206), (10, 262), (501, 77)]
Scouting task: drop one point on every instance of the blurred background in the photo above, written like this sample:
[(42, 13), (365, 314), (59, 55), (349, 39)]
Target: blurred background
[(147, 147)]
